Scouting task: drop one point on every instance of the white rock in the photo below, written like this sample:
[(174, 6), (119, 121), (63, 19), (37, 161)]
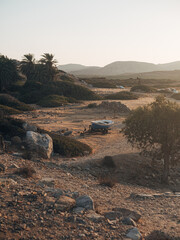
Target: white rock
[(41, 144)]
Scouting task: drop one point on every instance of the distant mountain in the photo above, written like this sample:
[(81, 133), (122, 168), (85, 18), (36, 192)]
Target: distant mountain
[(71, 67), (75, 67), (118, 68), (169, 66)]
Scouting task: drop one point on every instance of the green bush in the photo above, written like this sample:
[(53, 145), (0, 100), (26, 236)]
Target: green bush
[(124, 95), (8, 110), (10, 127), (53, 101), (69, 147), (8, 100), (176, 96), (75, 91), (33, 94), (155, 129), (143, 88)]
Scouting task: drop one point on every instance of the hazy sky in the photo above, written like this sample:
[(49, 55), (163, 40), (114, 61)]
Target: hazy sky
[(91, 32)]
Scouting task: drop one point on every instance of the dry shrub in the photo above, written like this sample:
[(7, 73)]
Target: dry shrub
[(158, 235), (92, 105), (26, 171), (69, 147), (108, 162), (107, 180)]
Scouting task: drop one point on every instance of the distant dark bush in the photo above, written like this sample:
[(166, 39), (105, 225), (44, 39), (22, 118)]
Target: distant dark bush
[(31, 97), (25, 172), (124, 95), (16, 88), (69, 147), (103, 84), (32, 86), (108, 162), (100, 82), (8, 100), (31, 92), (176, 96), (159, 235), (8, 110), (92, 105), (143, 88)]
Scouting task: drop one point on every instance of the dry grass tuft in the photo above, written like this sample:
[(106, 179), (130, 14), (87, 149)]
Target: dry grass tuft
[(159, 235), (26, 171), (107, 180), (108, 162)]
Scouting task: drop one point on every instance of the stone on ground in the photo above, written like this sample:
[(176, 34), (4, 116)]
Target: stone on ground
[(85, 202), (41, 144), (134, 234)]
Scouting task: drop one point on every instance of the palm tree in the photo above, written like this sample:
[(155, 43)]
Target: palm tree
[(8, 72), (50, 62), (28, 65)]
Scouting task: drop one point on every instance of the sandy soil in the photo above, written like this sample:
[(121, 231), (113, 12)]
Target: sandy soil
[(77, 117)]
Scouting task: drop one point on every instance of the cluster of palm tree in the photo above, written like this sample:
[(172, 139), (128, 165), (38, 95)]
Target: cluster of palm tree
[(43, 70), (8, 72)]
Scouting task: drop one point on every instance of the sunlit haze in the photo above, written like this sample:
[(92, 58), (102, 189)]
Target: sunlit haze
[(91, 32)]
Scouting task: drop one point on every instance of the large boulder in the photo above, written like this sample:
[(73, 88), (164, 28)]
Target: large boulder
[(40, 144)]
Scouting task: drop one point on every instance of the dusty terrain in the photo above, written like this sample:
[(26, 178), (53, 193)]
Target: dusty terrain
[(26, 205)]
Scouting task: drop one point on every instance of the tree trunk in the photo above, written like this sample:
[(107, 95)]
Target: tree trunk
[(166, 170)]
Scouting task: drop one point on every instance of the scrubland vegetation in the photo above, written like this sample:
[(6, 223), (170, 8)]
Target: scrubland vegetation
[(153, 129)]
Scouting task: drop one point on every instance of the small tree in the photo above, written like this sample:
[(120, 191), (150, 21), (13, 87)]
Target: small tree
[(155, 129)]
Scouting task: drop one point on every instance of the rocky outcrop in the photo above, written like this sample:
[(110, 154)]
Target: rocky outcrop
[(40, 144)]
